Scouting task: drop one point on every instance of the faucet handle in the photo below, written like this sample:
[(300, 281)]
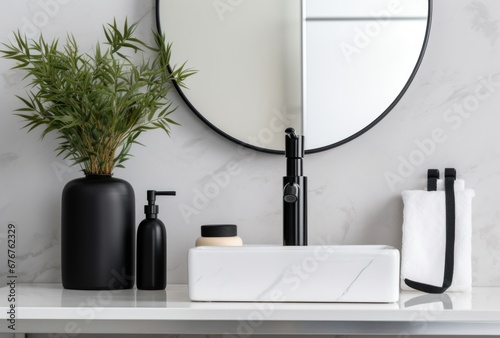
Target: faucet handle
[(291, 132), (294, 144)]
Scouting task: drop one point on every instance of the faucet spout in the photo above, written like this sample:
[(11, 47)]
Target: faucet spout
[(291, 192), (294, 192)]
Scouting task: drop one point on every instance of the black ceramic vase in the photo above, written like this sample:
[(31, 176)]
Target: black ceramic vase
[(98, 234)]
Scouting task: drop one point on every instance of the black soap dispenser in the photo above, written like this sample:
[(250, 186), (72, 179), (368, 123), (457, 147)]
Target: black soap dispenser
[(152, 246)]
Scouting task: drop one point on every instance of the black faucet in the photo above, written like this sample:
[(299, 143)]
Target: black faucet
[(294, 192)]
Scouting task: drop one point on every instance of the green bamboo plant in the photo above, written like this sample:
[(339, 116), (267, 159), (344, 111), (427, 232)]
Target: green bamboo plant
[(98, 102)]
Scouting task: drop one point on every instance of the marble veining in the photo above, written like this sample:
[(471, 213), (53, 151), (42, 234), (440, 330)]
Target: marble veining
[(7, 159), (346, 291), (320, 273), (482, 20)]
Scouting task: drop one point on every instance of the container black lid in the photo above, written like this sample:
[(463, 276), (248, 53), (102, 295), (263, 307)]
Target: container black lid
[(219, 230)]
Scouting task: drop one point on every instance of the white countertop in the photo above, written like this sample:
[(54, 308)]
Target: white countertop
[(48, 308)]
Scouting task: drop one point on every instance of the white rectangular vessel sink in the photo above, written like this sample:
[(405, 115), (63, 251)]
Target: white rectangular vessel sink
[(330, 273)]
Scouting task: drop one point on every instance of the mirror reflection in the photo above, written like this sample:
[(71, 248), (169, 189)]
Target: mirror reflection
[(329, 68), (358, 57)]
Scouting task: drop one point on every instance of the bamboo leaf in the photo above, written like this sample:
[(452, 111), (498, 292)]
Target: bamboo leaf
[(98, 103)]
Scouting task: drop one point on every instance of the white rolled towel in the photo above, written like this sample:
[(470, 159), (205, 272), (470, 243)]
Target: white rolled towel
[(459, 185), (424, 237)]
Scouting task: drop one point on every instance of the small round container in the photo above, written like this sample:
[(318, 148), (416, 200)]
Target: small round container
[(219, 235)]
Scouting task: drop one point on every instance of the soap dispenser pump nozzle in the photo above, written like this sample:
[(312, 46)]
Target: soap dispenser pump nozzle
[(151, 209)]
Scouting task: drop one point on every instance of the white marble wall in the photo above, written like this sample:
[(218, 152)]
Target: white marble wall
[(351, 200)]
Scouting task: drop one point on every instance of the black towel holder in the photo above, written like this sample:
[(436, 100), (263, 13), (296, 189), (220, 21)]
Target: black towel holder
[(450, 176)]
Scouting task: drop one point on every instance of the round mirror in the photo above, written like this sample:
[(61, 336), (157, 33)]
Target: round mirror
[(331, 69)]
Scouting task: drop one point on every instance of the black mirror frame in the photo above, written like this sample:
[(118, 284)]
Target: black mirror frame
[(327, 147)]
